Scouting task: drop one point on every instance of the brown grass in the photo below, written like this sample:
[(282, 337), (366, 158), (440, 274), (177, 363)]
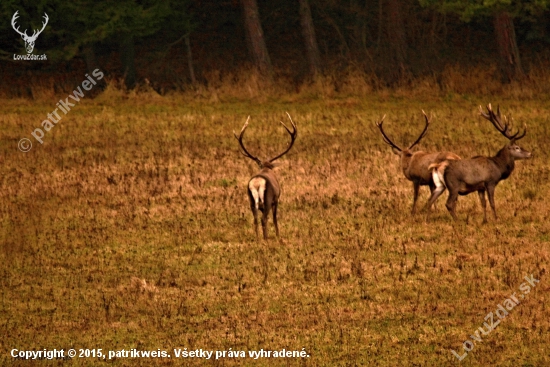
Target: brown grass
[(130, 228), (247, 84)]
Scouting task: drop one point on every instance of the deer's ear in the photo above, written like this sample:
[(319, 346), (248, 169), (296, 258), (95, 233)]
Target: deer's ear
[(275, 165), (396, 151)]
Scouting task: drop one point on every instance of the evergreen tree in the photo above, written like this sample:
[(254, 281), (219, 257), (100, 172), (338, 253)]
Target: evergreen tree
[(503, 13)]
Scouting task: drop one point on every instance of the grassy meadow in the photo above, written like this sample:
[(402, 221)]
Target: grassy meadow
[(129, 228)]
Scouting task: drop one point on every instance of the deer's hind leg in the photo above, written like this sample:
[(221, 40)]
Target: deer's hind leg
[(254, 212), (438, 185), (275, 205), (269, 204), (436, 193), (416, 187), (451, 202), (432, 189), (264, 222)]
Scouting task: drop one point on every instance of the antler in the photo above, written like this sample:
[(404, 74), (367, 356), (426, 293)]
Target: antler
[(424, 132), (392, 144), (13, 21), (24, 34), (293, 135), (243, 149), (385, 137), (35, 34), (504, 129)]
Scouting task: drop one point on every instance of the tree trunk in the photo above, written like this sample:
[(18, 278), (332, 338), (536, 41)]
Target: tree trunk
[(190, 60), (257, 45), (380, 23), (510, 62), (127, 56), (308, 31), (91, 64), (397, 40)]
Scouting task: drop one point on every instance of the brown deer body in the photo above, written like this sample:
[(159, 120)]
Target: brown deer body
[(263, 188), (416, 165), (480, 173)]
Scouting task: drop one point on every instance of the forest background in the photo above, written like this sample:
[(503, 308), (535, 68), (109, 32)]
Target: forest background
[(359, 46)]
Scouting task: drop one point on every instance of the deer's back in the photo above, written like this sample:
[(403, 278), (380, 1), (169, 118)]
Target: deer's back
[(271, 181), (473, 172), (420, 162)]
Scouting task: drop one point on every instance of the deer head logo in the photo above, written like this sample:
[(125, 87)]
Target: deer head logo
[(29, 40)]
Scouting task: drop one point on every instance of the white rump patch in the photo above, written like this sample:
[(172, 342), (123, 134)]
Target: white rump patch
[(257, 188), (438, 171)]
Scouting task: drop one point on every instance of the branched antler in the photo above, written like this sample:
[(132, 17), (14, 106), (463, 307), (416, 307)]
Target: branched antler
[(13, 24), (43, 26), (29, 40), (388, 141), (503, 128), (424, 132), (293, 135), (24, 34), (243, 149)]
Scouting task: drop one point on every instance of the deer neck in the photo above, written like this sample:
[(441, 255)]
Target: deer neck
[(268, 174), (406, 158), (266, 171), (505, 162)]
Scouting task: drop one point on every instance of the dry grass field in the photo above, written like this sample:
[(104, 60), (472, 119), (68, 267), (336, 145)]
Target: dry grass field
[(129, 228)]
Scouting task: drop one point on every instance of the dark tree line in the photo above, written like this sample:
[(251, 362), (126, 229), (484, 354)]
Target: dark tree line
[(179, 42)]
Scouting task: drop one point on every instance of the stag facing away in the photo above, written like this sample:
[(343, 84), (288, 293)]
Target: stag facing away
[(263, 188), (480, 173), (415, 165)]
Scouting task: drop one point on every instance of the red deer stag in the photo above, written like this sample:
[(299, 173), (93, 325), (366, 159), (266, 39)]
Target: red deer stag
[(479, 173), (263, 187), (415, 164)]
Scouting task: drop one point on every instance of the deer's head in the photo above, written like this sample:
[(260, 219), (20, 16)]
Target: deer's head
[(29, 40), (404, 154), (513, 149)]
